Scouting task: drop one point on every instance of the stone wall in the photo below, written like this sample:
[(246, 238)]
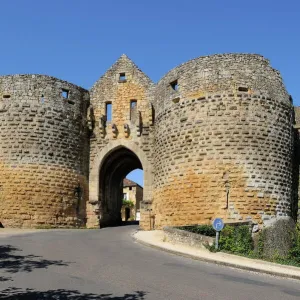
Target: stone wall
[(43, 152), (129, 128), (214, 137), (296, 162), (139, 196), (184, 237), (223, 142)]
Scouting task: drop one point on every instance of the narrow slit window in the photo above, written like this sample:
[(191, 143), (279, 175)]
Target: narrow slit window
[(108, 111), (6, 96), (153, 114), (174, 85), (243, 89), (65, 93), (122, 77), (133, 104)]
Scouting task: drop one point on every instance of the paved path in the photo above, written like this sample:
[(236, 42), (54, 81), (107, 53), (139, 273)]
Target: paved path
[(108, 264), (159, 239)]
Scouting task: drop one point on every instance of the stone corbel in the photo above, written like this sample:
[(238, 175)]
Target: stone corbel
[(91, 120), (90, 125), (146, 205), (151, 114), (114, 130), (102, 125), (126, 130), (139, 125), (94, 202)]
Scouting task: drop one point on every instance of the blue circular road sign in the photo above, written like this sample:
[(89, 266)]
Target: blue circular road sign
[(218, 224)]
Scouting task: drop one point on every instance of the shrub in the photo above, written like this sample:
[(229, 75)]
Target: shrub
[(236, 239), (200, 229), (294, 253), (128, 203)]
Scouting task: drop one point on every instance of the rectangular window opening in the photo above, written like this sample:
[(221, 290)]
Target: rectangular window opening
[(122, 77), (6, 96), (108, 111), (174, 85), (243, 89), (133, 105), (65, 93)]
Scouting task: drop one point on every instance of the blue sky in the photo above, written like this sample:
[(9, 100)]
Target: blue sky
[(78, 40)]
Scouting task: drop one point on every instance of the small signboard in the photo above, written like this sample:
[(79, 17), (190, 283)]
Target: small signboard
[(218, 224)]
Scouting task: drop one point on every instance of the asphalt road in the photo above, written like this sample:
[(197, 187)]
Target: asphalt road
[(109, 264)]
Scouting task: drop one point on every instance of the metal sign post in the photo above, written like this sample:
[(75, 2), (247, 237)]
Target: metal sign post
[(218, 225), (217, 240)]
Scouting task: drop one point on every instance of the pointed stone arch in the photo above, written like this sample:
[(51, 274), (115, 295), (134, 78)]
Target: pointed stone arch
[(94, 212)]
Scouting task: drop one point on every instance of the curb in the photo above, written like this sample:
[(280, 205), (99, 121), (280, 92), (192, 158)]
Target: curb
[(217, 262)]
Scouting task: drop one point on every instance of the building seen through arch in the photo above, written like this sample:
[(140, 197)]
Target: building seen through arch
[(132, 198)]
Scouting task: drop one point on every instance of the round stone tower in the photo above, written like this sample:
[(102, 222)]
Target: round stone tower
[(43, 152), (223, 142)]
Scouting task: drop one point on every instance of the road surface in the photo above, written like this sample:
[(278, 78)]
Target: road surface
[(109, 264)]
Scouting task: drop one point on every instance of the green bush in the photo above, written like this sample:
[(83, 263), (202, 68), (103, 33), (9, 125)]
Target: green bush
[(236, 239), (295, 250), (128, 203), (200, 229)]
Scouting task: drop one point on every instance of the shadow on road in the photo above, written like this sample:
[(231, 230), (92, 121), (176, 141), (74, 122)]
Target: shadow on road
[(118, 224), (29, 294), (128, 223), (10, 262)]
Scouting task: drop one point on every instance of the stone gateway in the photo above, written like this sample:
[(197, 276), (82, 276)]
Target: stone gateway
[(216, 137)]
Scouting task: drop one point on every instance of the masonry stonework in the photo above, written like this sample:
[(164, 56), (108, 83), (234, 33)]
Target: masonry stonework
[(43, 152), (224, 146), (216, 137)]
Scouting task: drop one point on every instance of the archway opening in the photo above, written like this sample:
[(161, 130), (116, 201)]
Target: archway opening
[(116, 208), (132, 197)]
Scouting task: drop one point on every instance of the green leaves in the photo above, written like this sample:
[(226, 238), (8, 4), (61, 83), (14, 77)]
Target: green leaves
[(236, 239), (128, 203), (295, 250), (200, 229)]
